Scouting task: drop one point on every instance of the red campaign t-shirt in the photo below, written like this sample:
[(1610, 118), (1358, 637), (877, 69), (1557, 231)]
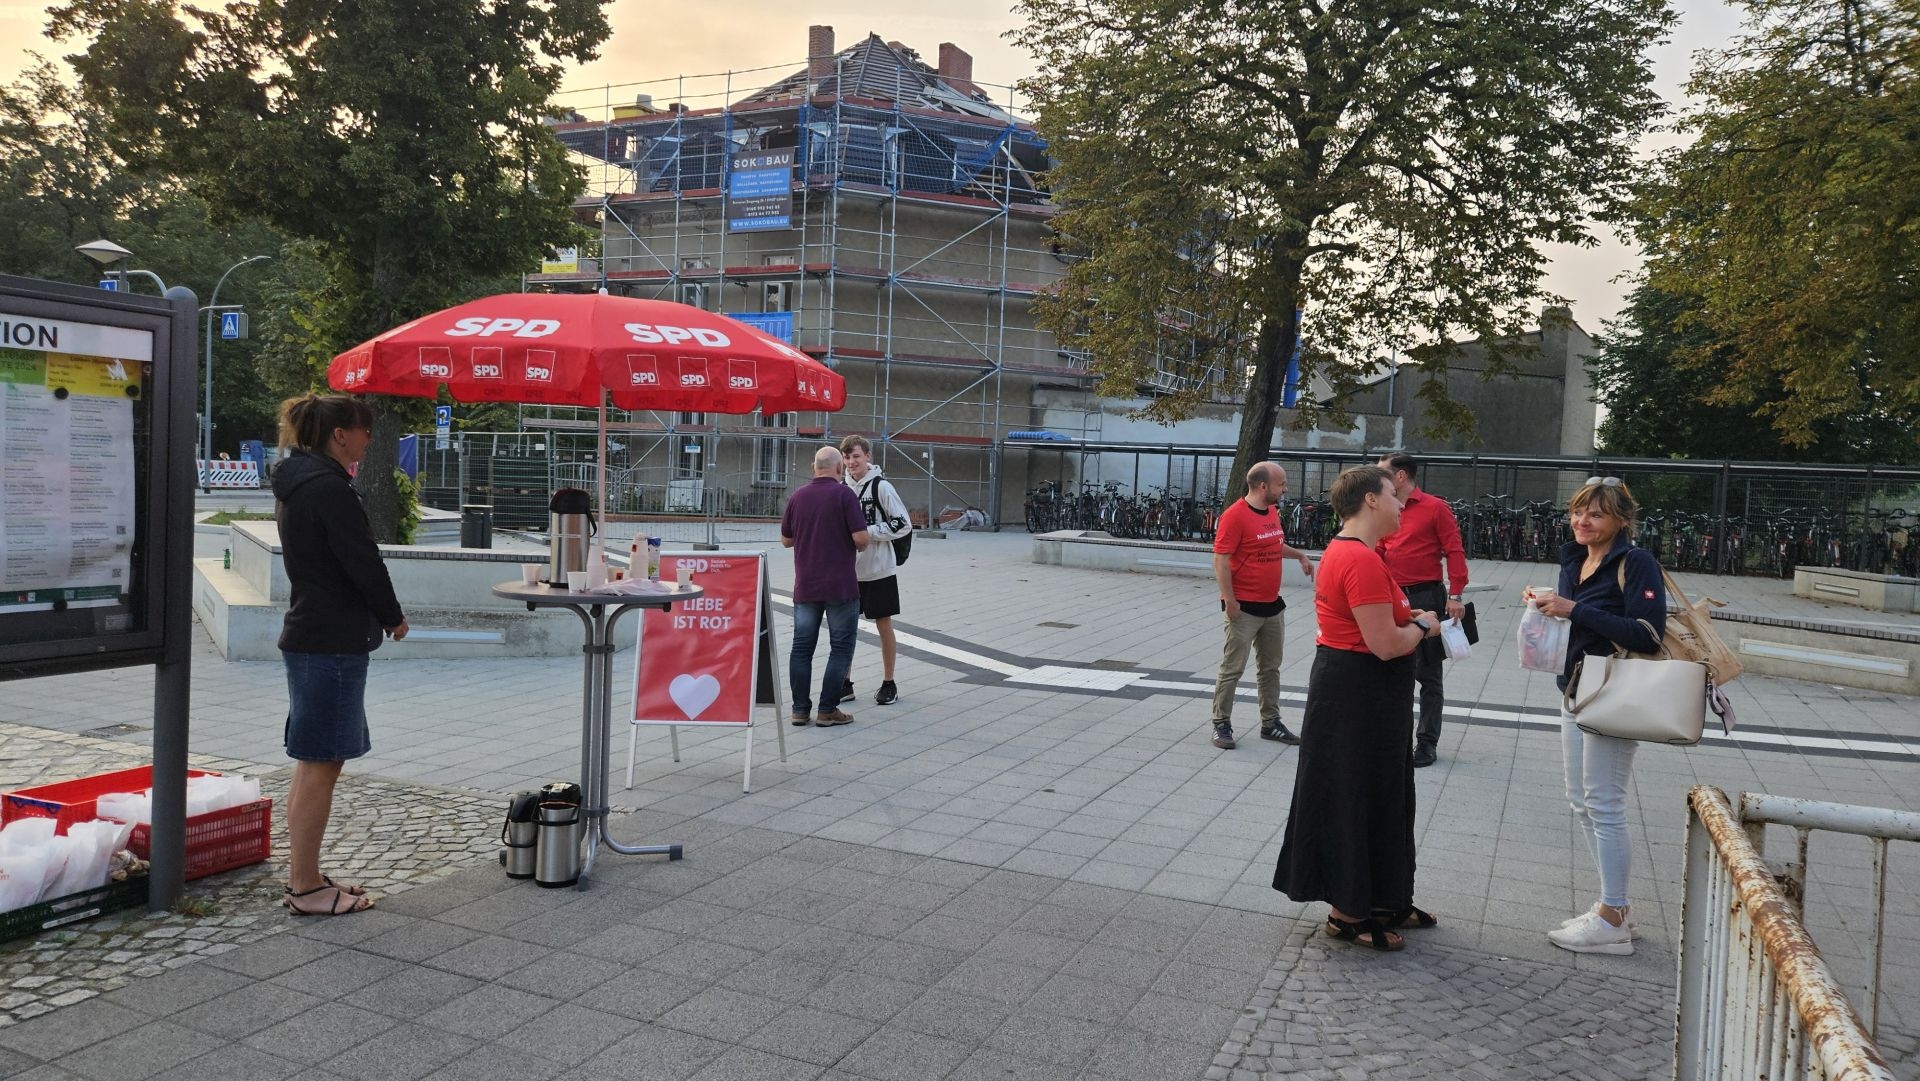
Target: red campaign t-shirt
[(1252, 541), (1350, 575)]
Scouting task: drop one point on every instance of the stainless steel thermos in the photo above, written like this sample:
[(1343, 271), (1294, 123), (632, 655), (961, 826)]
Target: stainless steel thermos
[(560, 829), (519, 833), (570, 530)]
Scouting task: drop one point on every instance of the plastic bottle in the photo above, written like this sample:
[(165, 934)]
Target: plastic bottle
[(653, 558)]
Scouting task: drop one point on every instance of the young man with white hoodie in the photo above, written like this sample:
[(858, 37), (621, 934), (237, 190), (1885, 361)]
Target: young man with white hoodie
[(876, 566)]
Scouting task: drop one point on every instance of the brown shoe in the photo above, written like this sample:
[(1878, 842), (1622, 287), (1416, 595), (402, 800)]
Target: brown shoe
[(829, 718), (801, 719)]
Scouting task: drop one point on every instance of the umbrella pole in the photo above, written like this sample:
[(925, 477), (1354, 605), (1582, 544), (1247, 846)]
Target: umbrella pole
[(600, 471)]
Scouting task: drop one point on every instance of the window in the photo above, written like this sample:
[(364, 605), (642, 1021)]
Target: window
[(770, 452), (693, 294), (776, 297)]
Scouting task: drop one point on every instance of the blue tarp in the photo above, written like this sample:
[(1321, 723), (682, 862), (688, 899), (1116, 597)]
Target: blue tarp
[(410, 456), (1042, 436)]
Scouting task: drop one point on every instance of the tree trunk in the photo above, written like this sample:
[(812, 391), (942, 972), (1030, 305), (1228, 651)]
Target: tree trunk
[(382, 498), (1264, 392)]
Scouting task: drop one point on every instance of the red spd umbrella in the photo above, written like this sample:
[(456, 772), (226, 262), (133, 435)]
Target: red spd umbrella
[(568, 348)]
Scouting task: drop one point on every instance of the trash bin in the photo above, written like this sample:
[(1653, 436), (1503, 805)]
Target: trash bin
[(476, 525)]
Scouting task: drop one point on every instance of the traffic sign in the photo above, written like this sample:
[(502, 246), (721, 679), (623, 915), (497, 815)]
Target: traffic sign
[(233, 325), (111, 285), (442, 425)]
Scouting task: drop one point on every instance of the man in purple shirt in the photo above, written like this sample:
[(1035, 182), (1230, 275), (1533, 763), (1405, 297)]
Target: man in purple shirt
[(824, 526)]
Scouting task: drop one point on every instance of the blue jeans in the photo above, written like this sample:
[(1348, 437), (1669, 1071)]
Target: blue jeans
[(843, 621)]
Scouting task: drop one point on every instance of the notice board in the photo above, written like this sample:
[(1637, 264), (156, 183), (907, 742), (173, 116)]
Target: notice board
[(84, 463), (706, 661)]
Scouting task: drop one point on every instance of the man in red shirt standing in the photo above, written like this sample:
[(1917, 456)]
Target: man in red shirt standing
[(1248, 545), (1428, 537)]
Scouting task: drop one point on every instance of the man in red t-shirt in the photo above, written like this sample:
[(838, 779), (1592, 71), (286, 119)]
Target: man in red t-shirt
[(1427, 540), (1248, 545)]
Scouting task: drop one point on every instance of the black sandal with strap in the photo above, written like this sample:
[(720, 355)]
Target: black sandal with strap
[(1411, 917), (1367, 932), (342, 904)]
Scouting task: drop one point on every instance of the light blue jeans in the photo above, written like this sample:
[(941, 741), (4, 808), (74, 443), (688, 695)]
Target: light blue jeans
[(1598, 769), (843, 624)]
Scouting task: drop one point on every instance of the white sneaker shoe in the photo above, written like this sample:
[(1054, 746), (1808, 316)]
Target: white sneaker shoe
[(1591, 934), (1595, 910)]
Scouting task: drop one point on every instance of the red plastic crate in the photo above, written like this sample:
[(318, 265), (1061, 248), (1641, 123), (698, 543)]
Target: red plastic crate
[(67, 802), (219, 840)]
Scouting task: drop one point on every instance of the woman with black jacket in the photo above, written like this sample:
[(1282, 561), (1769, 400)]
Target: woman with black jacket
[(1612, 591), (342, 603)]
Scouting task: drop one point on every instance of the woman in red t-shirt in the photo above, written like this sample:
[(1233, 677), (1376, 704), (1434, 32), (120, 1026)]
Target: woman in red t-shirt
[(1349, 838)]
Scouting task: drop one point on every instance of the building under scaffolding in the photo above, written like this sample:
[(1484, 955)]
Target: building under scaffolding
[(906, 247), (890, 218)]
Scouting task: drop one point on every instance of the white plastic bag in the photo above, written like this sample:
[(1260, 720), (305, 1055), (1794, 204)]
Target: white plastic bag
[(1454, 637), (125, 807), (1543, 641), (91, 849)]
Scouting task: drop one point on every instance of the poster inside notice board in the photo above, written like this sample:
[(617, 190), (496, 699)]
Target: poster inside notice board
[(74, 417)]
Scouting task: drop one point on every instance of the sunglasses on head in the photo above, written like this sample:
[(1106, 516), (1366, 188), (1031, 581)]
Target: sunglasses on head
[(1605, 482)]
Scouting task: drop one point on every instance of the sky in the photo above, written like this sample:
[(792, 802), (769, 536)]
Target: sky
[(761, 41)]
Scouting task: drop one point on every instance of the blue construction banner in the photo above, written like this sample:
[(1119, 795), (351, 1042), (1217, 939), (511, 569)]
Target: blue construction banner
[(408, 459), (760, 191), (775, 324), (1290, 392)]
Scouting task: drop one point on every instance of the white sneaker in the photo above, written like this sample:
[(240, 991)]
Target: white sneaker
[(1591, 934), (1595, 910)]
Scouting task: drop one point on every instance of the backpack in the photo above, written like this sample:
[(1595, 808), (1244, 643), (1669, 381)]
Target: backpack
[(870, 501)]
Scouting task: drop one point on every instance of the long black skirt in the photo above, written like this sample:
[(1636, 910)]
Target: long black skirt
[(1349, 839)]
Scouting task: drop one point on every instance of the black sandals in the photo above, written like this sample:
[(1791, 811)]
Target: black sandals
[(1367, 932)]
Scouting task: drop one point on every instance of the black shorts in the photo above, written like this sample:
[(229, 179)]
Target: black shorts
[(881, 598)]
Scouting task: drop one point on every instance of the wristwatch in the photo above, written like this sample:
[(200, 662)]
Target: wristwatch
[(1425, 627)]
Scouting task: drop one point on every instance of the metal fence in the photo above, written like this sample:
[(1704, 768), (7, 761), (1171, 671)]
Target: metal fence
[(679, 476), (1756, 998), (1724, 517)]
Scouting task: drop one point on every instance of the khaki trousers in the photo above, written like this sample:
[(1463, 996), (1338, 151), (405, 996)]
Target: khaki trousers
[(1266, 637)]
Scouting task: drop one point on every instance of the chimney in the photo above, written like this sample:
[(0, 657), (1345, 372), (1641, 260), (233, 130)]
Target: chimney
[(955, 63), (819, 56)]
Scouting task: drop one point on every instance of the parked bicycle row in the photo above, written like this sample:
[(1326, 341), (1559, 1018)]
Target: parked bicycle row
[(1880, 541)]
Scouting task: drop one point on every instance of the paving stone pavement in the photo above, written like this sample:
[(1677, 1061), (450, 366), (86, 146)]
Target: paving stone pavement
[(1044, 791)]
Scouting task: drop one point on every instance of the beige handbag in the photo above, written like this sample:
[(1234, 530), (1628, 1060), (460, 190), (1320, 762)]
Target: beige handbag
[(1628, 697)]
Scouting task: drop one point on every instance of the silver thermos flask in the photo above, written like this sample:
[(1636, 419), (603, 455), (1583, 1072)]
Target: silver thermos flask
[(557, 849), (519, 834), (570, 531)]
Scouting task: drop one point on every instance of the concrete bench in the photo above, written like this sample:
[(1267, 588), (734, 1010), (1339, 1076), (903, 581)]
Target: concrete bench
[(445, 591), (1879, 592)]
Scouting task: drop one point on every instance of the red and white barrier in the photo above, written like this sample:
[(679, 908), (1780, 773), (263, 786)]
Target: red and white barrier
[(230, 475)]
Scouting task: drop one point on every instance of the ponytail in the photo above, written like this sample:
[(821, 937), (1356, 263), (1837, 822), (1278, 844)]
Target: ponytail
[(308, 421)]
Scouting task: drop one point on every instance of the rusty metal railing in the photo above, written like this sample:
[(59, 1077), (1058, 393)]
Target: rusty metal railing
[(1756, 998)]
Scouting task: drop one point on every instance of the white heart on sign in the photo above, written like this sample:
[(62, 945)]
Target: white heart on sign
[(693, 694)]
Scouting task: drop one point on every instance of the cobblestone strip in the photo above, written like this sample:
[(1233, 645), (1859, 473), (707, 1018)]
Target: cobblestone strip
[(1341, 1013), (389, 837)]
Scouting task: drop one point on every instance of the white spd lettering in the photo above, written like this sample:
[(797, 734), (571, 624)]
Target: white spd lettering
[(740, 382), (692, 379), (645, 379), (441, 370), (700, 566), (519, 328), (542, 374), (659, 334), (486, 371)]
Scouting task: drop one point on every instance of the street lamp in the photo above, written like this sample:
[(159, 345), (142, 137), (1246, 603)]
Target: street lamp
[(213, 303), (107, 253)]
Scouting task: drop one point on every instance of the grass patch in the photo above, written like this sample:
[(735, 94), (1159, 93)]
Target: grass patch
[(228, 517)]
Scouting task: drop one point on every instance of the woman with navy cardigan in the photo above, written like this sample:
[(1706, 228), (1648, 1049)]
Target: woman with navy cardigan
[(1608, 587)]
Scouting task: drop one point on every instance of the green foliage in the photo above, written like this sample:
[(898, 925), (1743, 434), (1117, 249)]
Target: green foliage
[(1790, 222), (1659, 372), (402, 140), (1389, 167), (409, 493)]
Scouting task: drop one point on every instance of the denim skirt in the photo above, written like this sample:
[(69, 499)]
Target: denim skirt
[(326, 706)]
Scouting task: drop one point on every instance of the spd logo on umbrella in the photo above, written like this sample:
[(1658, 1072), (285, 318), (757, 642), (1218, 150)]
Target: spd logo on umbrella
[(540, 365), (436, 362), (643, 370), (485, 362)]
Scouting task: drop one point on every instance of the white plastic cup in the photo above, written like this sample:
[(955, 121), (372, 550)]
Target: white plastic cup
[(530, 573), (1537, 594), (683, 573), (576, 581)]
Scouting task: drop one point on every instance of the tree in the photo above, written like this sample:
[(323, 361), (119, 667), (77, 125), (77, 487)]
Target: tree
[(1387, 166), (60, 184), (1658, 372), (404, 139), (1793, 219)]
